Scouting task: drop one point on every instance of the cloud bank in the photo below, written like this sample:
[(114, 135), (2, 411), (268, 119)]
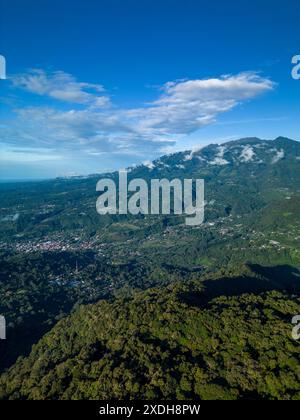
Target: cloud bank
[(84, 120)]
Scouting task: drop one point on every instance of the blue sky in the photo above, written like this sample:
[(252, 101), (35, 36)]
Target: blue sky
[(102, 84)]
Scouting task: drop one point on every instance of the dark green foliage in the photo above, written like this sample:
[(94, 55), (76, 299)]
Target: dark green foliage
[(155, 345)]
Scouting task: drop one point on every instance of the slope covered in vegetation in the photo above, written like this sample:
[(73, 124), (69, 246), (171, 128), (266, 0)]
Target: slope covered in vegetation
[(178, 342)]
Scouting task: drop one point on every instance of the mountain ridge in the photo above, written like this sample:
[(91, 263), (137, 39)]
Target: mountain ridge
[(279, 141)]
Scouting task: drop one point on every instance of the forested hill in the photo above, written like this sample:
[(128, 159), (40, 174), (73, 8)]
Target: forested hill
[(173, 343)]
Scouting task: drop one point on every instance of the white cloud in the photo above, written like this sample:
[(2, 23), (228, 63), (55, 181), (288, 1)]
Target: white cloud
[(186, 106), (150, 165), (278, 156), (247, 154), (192, 153), (219, 162), (219, 158), (62, 86), (95, 128)]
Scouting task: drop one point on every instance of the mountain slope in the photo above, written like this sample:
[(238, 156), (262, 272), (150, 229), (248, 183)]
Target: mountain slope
[(168, 343), (241, 175)]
